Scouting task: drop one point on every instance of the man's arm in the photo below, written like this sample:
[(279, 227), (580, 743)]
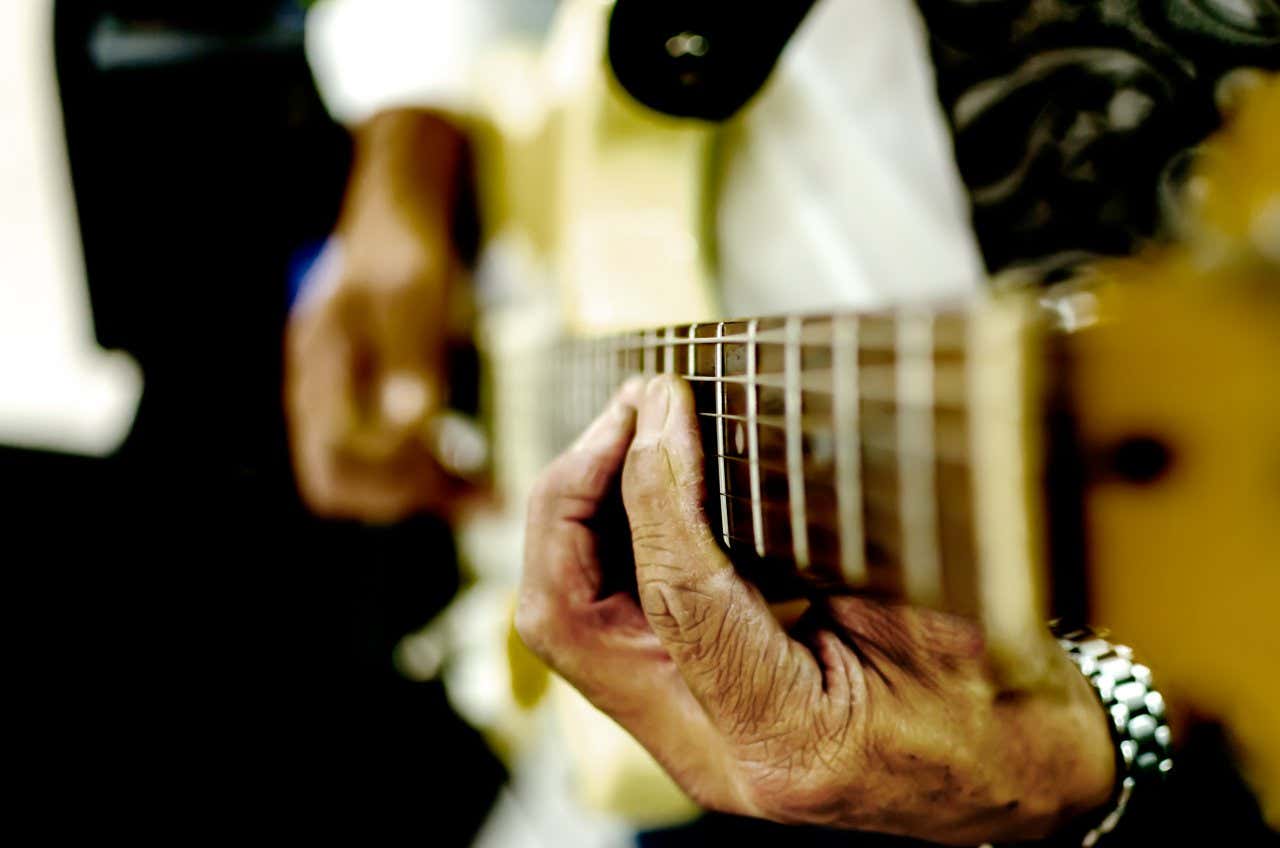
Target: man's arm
[(366, 370)]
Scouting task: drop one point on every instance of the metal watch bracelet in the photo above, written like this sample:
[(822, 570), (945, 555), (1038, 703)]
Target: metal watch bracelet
[(1137, 710)]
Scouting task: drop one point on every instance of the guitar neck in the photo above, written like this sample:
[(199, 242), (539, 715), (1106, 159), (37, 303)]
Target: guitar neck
[(880, 451)]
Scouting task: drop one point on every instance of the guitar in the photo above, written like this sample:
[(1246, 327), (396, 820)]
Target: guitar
[(1024, 455)]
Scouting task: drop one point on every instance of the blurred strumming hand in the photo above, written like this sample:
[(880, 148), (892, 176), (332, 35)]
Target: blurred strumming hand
[(862, 715), (366, 346)]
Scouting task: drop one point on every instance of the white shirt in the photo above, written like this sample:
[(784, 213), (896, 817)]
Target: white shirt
[(839, 186)]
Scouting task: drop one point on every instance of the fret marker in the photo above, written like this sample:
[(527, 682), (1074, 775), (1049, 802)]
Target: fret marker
[(795, 445), (848, 437)]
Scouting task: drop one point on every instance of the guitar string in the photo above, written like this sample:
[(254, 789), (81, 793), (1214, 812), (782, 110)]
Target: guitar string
[(618, 350)]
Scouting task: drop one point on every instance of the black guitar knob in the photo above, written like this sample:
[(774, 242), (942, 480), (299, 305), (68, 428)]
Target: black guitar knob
[(699, 58)]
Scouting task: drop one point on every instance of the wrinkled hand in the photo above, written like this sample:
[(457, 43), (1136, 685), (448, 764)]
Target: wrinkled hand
[(366, 346), (863, 715)]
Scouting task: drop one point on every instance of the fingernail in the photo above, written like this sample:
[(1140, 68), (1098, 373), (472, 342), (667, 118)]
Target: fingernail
[(653, 410)]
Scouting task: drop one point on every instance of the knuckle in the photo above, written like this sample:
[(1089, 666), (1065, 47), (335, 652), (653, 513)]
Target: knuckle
[(655, 600), (689, 609), (655, 544), (533, 625), (592, 478), (568, 488), (545, 491)]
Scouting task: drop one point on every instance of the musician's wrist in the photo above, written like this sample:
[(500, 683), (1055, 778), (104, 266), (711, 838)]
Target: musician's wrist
[(1093, 787), (410, 167), (1057, 762)]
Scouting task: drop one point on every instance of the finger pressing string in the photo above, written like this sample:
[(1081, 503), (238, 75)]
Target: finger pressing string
[(735, 657)]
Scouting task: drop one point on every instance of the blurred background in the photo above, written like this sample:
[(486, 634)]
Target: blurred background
[(195, 651)]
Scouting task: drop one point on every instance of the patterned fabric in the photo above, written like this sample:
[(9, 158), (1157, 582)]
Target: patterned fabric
[(1071, 117)]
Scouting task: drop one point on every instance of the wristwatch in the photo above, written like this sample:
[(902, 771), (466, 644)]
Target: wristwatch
[(1138, 727)]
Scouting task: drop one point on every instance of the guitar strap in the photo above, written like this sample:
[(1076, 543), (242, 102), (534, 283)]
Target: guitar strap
[(699, 58)]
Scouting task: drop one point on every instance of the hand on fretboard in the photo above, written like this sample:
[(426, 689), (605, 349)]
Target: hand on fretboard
[(837, 444)]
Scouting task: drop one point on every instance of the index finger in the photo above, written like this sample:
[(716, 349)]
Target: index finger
[(734, 655)]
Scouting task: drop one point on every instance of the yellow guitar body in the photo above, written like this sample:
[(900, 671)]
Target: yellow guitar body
[(1179, 566), (1187, 566)]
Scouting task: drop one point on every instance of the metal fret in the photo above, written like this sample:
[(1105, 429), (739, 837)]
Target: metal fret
[(848, 436), (879, 336), (584, 371), (599, 385), (617, 370), (606, 364), (878, 383), (724, 486), (837, 417), (610, 375), (579, 402), (795, 445), (917, 485), (753, 441)]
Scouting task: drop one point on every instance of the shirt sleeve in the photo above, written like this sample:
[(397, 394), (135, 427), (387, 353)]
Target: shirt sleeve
[(372, 55)]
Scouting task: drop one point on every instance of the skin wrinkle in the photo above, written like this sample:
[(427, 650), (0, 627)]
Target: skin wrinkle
[(863, 658), (649, 537), (864, 715), (748, 707), (726, 636)]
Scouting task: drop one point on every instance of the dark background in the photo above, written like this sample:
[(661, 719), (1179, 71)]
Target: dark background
[(196, 654)]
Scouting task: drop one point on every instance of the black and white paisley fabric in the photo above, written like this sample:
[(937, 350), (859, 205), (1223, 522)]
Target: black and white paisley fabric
[(1071, 117)]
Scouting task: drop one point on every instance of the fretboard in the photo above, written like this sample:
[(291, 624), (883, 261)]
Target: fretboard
[(841, 446)]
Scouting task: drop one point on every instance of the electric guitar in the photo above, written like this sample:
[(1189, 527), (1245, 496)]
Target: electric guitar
[(1070, 451)]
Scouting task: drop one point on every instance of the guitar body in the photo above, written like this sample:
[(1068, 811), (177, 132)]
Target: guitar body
[(1180, 377)]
